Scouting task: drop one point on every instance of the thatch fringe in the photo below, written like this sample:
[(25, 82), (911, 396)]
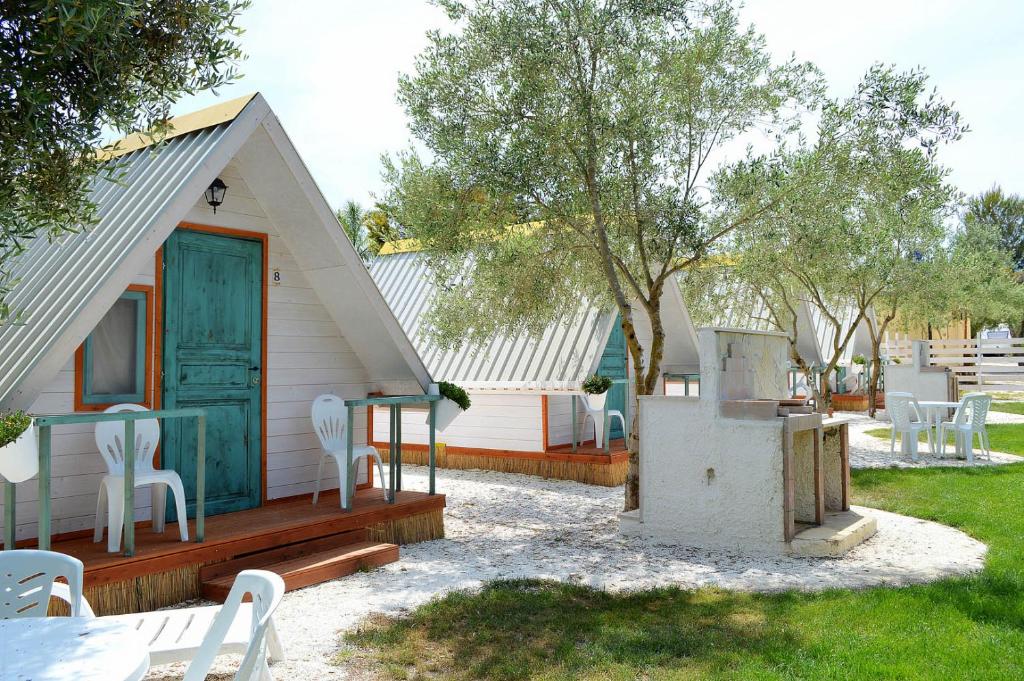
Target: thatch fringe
[(409, 530), (147, 592), (603, 474)]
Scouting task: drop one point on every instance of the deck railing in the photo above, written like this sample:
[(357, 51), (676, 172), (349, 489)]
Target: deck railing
[(686, 378), (607, 422), (45, 423), (394, 440)]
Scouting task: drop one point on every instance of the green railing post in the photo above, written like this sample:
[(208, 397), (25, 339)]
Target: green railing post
[(433, 455), (129, 489), (350, 480), (200, 480), (44, 487), (10, 526), (391, 454), (575, 425), (398, 447)]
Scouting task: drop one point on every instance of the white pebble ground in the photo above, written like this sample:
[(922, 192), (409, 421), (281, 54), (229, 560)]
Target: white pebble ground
[(501, 525)]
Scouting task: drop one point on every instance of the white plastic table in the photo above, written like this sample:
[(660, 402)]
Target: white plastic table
[(934, 411), (65, 648)]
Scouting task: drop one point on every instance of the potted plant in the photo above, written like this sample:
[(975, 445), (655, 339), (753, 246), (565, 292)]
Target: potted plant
[(19, 455), (454, 401), (596, 387)]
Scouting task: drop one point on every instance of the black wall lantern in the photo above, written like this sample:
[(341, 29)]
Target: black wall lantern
[(215, 193)]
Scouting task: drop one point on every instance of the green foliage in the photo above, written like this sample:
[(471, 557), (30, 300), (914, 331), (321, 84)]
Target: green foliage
[(12, 425), (592, 127), (861, 215), (1005, 214), (72, 69), (351, 217), (957, 628), (455, 394), (860, 360), (597, 385)]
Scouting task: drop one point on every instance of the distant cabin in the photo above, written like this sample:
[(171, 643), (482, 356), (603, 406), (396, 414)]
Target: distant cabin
[(521, 386)]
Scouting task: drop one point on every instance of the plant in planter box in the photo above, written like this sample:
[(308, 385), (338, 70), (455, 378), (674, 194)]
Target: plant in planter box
[(19, 457), (455, 401), (596, 387), (860, 360)]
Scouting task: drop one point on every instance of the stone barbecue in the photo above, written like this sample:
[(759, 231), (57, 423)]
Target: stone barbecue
[(741, 467)]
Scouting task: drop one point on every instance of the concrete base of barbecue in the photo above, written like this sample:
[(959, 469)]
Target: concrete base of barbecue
[(841, 531)]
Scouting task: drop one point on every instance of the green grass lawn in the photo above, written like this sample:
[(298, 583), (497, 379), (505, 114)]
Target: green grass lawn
[(1009, 407), (965, 628), (1004, 437)]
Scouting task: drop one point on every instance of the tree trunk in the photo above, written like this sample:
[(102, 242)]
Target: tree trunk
[(646, 381)]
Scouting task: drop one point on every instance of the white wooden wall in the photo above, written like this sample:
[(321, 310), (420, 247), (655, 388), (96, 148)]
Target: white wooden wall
[(306, 356), (499, 421)]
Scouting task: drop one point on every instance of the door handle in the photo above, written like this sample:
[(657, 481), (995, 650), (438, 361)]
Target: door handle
[(255, 378)]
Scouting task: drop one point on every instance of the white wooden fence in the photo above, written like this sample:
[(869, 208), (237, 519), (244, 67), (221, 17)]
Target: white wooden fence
[(978, 363)]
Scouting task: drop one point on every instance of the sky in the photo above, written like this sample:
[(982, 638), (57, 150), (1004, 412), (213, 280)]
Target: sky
[(329, 69)]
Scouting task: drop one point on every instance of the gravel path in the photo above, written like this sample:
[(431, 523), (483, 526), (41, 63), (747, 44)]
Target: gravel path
[(503, 525)]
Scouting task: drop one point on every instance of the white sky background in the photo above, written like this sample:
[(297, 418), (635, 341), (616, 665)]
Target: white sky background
[(329, 69)]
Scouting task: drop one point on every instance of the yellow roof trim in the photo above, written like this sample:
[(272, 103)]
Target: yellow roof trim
[(401, 246), (180, 125)]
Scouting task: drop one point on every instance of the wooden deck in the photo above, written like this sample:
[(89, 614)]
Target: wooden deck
[(234, 534)]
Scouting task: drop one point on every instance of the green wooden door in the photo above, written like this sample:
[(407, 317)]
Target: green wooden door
[(212, 356), (613, 365)]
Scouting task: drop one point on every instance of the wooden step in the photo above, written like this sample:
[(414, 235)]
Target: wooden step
[(280, 554), (304, 570)]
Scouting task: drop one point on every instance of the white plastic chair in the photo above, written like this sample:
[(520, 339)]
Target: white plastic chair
[(597, 415), (266, 589), (110, 441), (905, 414), (177, 635), (968, 420), (27, 581), (330, 417)]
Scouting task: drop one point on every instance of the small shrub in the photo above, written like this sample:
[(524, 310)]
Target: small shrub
[(597, 385), (12, 425), (455, 394), (860, 359)]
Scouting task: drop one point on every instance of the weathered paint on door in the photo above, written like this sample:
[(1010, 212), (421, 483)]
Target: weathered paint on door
[(613, 365), (213, 287)]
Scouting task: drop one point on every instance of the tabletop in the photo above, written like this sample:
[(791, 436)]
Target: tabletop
[(63, 648), (938, 404)]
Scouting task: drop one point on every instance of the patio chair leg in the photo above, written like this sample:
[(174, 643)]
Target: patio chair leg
[(383, 480), (968, 440), (180, 507), (892, 442), (158, 499), (101, 509), (319, 474), (913, 445)]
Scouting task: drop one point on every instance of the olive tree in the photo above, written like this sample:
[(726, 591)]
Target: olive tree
[(574, 151), (70, 70), (867, 206)]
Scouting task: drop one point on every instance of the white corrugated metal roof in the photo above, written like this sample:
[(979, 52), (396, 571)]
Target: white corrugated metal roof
[(54, 279), (559, 359), (64, 287)]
